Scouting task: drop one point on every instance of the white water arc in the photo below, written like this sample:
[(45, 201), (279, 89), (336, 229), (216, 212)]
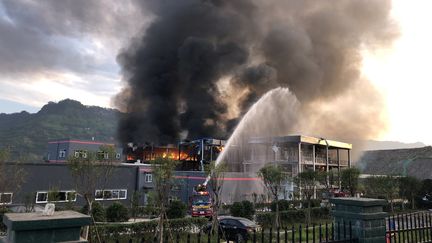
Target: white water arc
[(274, 114)]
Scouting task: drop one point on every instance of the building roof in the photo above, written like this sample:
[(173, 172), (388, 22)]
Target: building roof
[(301, 139)]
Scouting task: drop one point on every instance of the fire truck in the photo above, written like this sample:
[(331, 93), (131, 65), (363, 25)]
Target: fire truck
[(200, 202)]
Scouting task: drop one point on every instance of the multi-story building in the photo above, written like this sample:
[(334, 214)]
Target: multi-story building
[(59, 150)]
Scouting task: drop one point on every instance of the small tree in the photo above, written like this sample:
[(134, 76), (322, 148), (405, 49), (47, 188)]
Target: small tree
[(273, 178), (307, 181), (134, 205), (409, 188), (117, 212), (91, 170), (11, 174), (215, 175), (176, 209), (349, 180), (243, 209), (383, 187), (163, 175)]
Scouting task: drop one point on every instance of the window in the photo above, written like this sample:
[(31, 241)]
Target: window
[(59, 196), (6, 198), (148, 177), (80, 154), (111, 194), (118, 155), (62, 154)]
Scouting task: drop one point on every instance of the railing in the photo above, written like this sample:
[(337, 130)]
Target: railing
[(325, 233), (412, 227)]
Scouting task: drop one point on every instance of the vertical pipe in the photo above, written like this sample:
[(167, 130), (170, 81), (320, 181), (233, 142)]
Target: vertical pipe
[(262, 236), (286, 235), (178, 238), (320, 233), (199, 237), (307, 233), (209, 237), (202, 154), (338, 231), (254, 236), (407, 228), (188, 238), (349, 158)]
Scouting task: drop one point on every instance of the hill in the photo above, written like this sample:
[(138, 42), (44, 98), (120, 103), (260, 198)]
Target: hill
[(27, 134), (415, 162), (386, 145)]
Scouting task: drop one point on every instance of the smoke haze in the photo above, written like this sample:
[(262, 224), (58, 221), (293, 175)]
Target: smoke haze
[(200, 65)]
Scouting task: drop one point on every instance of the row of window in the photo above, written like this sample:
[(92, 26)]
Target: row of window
[(57, 196), (111, 194), (83, 154), (70, 196)]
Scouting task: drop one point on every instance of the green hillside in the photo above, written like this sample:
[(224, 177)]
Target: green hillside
[(27, 134)]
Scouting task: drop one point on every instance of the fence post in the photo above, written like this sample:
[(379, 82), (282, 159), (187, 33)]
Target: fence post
[(366, 216)]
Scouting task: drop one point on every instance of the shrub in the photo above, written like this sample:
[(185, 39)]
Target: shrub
[(291, 216), (98, 212), (176, 209), (117, 212), (243, 209), (141, 229), (283, 205)]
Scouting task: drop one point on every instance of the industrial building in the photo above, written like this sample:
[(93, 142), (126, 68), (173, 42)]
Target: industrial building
[(133, 172)]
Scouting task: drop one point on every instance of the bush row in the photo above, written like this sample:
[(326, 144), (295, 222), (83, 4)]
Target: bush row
[(289, 217), (138, 230)]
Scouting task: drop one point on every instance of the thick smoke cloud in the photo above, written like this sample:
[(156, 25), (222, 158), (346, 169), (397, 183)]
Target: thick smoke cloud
[(201, 64)]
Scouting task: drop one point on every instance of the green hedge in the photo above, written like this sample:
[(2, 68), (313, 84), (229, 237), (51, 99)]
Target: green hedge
[(110, 231), (290, 217)]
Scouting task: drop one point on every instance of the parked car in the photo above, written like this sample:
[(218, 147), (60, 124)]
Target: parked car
[(235, 228)]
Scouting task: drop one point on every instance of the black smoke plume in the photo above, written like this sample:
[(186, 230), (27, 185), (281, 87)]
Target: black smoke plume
[(201, 64)]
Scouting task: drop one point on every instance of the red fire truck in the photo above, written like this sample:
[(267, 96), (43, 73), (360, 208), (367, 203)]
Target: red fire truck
[(200, 202)]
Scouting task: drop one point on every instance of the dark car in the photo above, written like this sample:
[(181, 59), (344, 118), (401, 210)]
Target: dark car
[(235, 228)]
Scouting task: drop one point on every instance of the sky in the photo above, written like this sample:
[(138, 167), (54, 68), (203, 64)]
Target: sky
[(52, 50)]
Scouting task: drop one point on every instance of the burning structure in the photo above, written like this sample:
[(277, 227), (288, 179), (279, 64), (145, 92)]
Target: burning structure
[(193, 155)]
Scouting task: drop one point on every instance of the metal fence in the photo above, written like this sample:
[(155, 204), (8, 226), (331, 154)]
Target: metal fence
[(325, 233), (412, 227)]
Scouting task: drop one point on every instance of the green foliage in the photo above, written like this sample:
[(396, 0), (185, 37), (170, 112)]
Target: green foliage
[(176, 209), (31, 132), (138, 230), (117, 212), (349, 179), (386, 187), (409, 188), (98, 212), (134, 204), (283, 205), (243, 209), (290, 217)]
